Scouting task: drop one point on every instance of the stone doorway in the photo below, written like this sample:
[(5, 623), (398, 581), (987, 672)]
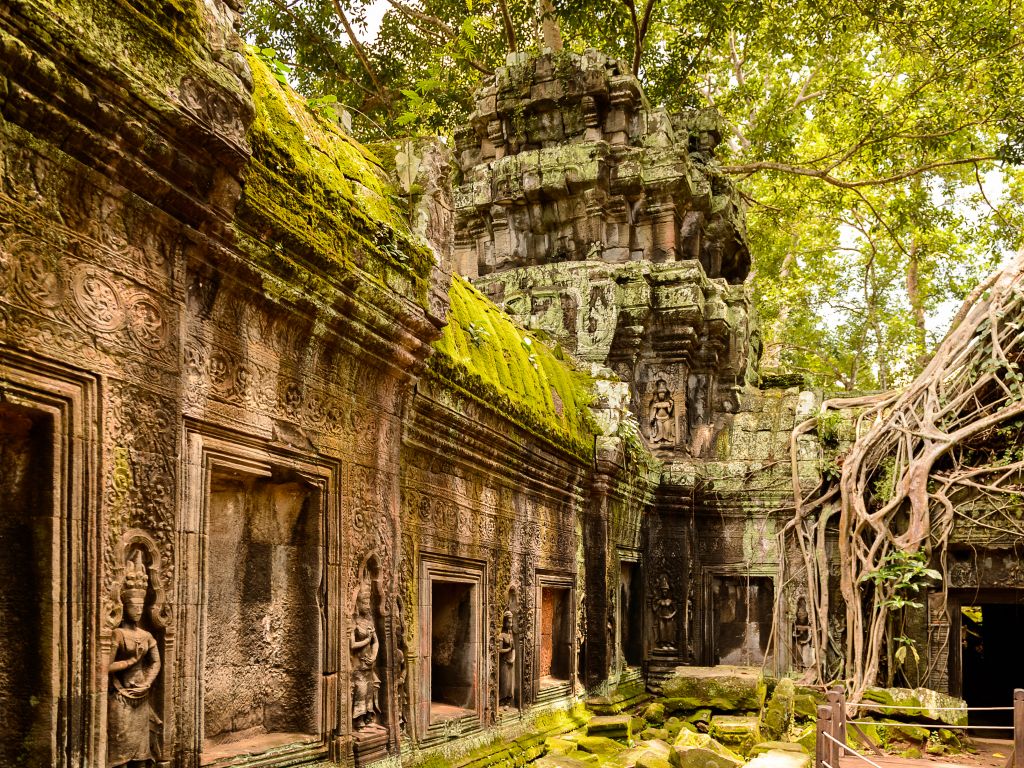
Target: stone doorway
[(453, 665), (51, 700), (262, 650), (28, 641), (555, 657), (262, 668), (452, 647), (989, 624), (741, 618), (630, 613)]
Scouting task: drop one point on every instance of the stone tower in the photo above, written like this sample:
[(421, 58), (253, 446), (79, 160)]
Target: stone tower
[(585, 212)]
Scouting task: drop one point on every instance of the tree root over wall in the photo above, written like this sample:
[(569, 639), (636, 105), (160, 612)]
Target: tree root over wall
[(922, 456)]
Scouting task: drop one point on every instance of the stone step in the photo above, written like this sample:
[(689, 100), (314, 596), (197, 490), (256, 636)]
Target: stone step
[(611, 726)]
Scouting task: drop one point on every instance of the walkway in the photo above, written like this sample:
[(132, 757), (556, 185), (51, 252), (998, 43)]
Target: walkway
[(992, 753)]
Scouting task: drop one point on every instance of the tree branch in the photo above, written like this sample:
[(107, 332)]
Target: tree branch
[(449, 31), (510, 31), (361, 54), (748, 169), (645, 22), (300, 23)]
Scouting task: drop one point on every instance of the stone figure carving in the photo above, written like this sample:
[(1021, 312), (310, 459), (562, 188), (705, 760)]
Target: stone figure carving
[(803, 645), (133, 668), (506, 662), (665, 612), (364, 646), (403, 672), (661, 415)]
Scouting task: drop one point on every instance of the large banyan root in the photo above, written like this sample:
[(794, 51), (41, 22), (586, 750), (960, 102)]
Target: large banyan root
[(924, 447)]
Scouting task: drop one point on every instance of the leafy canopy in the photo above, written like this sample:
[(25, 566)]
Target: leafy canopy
[(878, 144)]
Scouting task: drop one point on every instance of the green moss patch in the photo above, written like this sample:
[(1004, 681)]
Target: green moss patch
[(320, 195), (482, 351), (144, 35)]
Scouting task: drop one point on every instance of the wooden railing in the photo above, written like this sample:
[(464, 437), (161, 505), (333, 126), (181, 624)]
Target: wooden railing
[(831, 743)]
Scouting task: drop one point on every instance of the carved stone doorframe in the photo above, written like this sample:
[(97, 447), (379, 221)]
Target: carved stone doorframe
[(561, 581), (949, 643), (218, 453), (632, 557), (434, 569), (77, 655), (707, 613)]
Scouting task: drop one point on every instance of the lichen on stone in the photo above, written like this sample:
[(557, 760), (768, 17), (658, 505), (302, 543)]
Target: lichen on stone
[(319, 194), (485, 353)]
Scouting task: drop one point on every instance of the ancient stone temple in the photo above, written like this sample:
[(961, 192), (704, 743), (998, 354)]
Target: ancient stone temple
[(592, 217), (280, 487)]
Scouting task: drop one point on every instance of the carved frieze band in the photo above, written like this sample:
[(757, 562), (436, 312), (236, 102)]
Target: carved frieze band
[(70, 305)]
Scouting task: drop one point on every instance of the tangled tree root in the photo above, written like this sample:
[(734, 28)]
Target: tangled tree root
[(921, 455)]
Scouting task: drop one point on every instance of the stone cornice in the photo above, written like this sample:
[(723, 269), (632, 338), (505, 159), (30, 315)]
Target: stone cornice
[(449, 421), (59, 89)]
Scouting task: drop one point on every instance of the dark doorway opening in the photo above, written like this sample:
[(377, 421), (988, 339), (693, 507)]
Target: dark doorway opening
[(742, 618), (991, 624), (28, 639), (453, 651), (630, 619)]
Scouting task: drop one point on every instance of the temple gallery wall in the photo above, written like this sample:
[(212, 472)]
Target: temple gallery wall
[(278, 488)]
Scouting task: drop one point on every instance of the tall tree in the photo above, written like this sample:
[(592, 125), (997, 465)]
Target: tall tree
[(870, 139)]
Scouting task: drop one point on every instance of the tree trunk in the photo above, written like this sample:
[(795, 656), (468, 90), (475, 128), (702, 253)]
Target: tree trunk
[(916, 297), (773, 352), (551, 32), (510, 31)]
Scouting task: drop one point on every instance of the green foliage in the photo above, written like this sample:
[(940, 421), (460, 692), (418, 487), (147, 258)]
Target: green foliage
[(872, 141), (829, 425), (898, 581), (902, 576), (883, 486), (268, 56), (829, 470), (328, 107), (904, 644), (477, 333)]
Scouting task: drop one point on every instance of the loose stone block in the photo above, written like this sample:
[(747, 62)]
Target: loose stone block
[(699, 750), (723, 688), (612, 726), (918, 702), (599, 745)]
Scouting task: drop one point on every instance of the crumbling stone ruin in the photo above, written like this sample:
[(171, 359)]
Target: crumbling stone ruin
[(277, 489)]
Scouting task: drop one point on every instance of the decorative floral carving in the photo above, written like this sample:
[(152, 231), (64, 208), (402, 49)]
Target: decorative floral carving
[(147, 324), (96, 299), (39, 280)]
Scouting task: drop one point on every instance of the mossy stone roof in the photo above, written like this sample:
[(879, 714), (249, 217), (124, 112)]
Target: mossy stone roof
[(321, 195), (485, 353)]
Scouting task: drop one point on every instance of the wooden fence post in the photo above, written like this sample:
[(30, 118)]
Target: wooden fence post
[(1018, 728), (837, 701), (822, 746)]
